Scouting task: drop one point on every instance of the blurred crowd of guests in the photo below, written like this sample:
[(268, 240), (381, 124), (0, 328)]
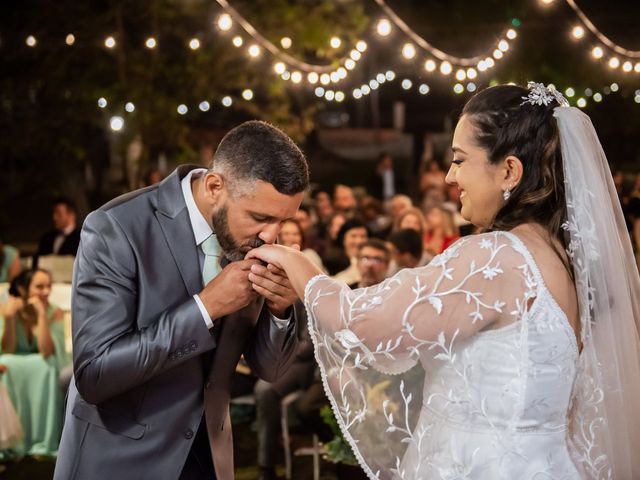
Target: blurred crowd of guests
[(359, 234)]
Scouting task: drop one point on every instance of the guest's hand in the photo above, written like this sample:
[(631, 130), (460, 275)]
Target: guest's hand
[(38, 306), (230, 290), (272, 283)]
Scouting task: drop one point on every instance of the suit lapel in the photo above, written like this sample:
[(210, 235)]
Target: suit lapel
[(173, 217)]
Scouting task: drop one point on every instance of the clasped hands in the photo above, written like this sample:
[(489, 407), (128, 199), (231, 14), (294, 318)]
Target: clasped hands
[(239, 283)]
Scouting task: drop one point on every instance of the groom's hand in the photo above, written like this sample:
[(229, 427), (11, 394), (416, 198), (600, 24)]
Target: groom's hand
[(272, 283), (230, 291)]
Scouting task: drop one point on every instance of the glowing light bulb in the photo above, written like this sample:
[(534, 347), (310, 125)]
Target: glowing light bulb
[(570, 92), (31, 41), (129, 107), (627, 66), (116, 123), (325, 79), (312, 78), (636, 67), (429, 65), (204, 106), (329, 95), (361, 46), (150, 43), (349, 64), (577, 32), (339, 96), (102, 102), (461, 75), (471, 73), (70, 39), (247, 94), (286, 42), (194, 44), (497, 54), (408, 51), (511, 34), (279, 68), (225, 22), (335, 42), (503, 45), (355, 55), (357, 93), (182, 109), (406, 84), (296, 77), (237, 41), (597, 97), (581, 102), (110, 42), (390, 75), (254, 51), (424, 89), (614, 62), (597, 52), (319, 91), (384, 27), (458, 88), (226, 101), (445, 68)]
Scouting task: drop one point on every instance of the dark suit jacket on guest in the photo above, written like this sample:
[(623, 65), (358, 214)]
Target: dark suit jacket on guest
[(69, 245), (146, 367)]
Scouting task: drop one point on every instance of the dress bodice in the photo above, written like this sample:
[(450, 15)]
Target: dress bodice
[(516, 377)]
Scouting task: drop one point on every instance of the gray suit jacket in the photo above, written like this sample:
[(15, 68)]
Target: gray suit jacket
[(146, 366)]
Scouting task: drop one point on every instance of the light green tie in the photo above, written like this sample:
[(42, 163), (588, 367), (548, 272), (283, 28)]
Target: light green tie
[(212, 252)]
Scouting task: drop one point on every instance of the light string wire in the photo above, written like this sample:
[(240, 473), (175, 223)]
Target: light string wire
[(599, 35), (424, 44)]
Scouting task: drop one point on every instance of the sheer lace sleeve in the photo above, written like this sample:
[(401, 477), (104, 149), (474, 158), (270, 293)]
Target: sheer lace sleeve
[(369, 340)]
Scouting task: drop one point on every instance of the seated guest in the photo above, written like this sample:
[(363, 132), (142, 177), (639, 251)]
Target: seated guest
[(373, 263), (65, 236), (441, 231), (9, 262), (269, 396), (351, 235), (32, 347), (291, 234), (407, 250)]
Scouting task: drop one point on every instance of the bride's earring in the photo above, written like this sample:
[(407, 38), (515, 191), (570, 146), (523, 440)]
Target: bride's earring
[(506, 194)]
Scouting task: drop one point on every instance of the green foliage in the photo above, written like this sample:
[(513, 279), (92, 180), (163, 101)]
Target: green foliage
[(338, 449)]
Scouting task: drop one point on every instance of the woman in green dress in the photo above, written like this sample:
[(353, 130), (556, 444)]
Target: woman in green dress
[(32, 347)]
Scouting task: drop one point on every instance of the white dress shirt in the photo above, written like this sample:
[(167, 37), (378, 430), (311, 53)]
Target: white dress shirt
[(202, 231)]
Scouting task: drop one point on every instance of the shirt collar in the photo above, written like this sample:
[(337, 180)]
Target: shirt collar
[(201, 229)]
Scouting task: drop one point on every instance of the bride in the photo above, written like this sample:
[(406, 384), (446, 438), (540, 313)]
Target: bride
[(513, 354)]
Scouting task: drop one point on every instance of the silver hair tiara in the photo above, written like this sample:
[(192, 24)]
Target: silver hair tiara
[(541, 95)]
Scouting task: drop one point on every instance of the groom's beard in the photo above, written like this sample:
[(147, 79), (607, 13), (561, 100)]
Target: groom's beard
[(230, 248)]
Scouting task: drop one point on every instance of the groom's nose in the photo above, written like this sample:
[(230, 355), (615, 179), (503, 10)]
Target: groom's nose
[(269, 233)]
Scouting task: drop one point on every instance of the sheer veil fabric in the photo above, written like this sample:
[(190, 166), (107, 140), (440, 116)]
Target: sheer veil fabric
[(422, 390), (605, 415)]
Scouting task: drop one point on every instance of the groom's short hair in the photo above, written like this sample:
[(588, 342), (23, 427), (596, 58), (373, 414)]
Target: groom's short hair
[(256, 150)]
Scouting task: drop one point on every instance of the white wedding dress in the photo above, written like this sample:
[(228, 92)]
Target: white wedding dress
[(424, 388)]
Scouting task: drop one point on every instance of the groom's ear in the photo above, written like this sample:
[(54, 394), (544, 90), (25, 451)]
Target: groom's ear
[(214, 187)]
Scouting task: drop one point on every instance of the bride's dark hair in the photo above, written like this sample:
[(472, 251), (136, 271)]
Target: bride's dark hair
[(505, 125)]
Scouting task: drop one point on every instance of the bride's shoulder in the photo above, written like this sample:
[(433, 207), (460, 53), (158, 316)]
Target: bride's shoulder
[(497, 245)]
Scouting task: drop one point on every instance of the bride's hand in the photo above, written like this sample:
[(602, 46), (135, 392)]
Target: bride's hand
[(273, 254)]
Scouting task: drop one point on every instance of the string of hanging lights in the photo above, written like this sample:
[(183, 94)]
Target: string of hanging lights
[(617, 56)]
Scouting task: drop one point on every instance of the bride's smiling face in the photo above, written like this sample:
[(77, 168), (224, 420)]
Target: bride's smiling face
[(480, 183)]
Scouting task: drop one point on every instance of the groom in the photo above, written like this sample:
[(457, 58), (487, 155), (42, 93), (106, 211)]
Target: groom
[(163, 309)]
